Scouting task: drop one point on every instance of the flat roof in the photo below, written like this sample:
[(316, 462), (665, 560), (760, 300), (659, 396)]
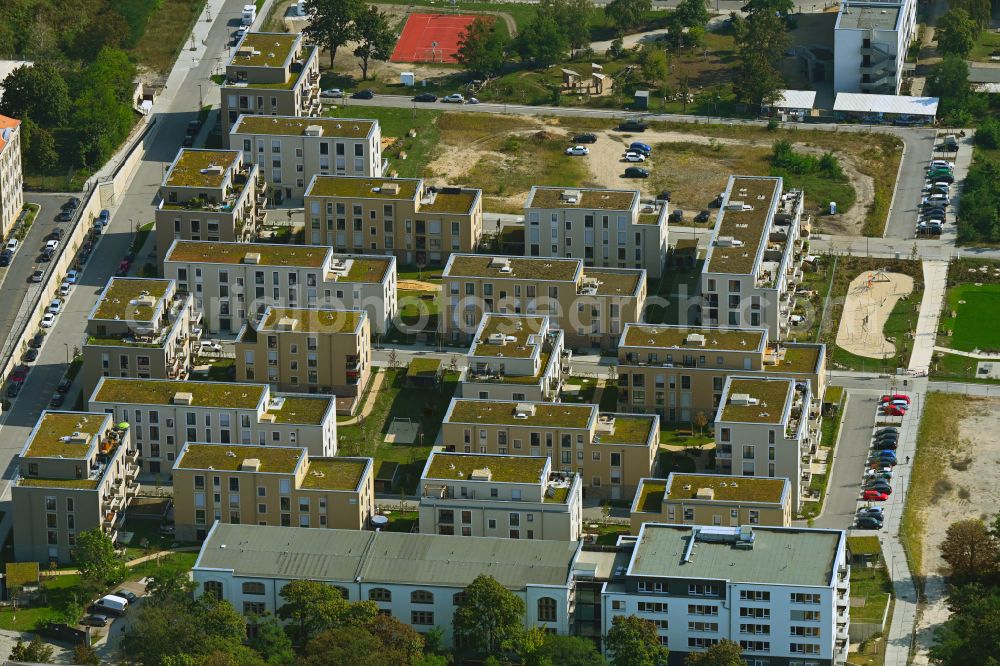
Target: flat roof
[(615, 281), (746, 226), (503, 469), (261, 254), (130, 299), (518, 327), (450, 200), (335, 473), (230, 457), (582, 198), (348, 128), (780, 556), (316, 320), (727, 488), (194, 167), (799, 357), (366, 268), (649, 496), (898, 104), (53, 435), (264, 49), (362, 187), (162, 392), (676, 337), (291, 553), (521, 268), (629, 429), (772, 397), (546, 414), (795, 99), (880, 16), (301, 408)]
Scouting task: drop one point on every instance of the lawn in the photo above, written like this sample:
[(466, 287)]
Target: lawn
[(166, 31), (588, 387), (182, 561), (402, 521), (674, 461), (57, 593), (974, 326), (873, 584), (988, 42), (409, 155), (418, 307), (811, 307)]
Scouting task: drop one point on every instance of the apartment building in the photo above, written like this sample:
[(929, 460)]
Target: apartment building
[(713, 499), (209, 195), (610, 228), (870, 44), (782, 594), (313, 349), (394, 216), (76, 472), (234, 283), (419, 579), (514, 357), (164, 415), (139, 327), (270, 74), (680, 371), (590, 305), (516, 497), (268, 485), (290, 150), (762, 429), (754, 259), (11, 175), (612, 452)]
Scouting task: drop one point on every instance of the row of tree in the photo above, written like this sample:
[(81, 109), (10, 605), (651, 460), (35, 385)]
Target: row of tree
[(334, 23)]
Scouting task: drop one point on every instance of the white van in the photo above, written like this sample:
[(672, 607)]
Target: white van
[(249, 14), (113, 604)]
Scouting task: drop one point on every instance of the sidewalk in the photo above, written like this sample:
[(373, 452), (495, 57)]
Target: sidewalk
[(369, 405), (935, 284)]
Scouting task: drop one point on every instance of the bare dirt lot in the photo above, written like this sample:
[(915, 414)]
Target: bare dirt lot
[(870, 300)]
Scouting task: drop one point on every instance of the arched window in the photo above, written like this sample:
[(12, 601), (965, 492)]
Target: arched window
[(421, 597), (546, 609), (379, 594), (213, 588), (458, 599), (343, 592), (253, 588)]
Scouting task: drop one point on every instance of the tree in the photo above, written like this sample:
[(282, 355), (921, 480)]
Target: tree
[(375, 37), (481, 47), (97, 560), (38, 92), (692, 13), (570, 651), (344, 646), (271, 642), (955, 33), (170, 583), (980, 11), (969, 635), (627, 14), (331, 23), (84, 653), (182, 628), (573, 16), (34, 652), (949, 80), (542, 42), (969, 549), (699, 421), (988, 136), (762, 42), (633, 641), (490, 616), (654, 66), (723, 653), (313, 607), (401, 643), (772, 7), (38, 146)]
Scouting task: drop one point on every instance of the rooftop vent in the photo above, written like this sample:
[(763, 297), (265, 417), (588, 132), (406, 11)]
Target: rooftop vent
[(570, 196), (501, 263), (742, 399), (287, 324), (276, 403), (212, 170), (481, 474), (695, 340), (705, 494), (183, 398), (390, 188), (523, 410), (497, 338), (250, 465), (314, 130), (251, 258)]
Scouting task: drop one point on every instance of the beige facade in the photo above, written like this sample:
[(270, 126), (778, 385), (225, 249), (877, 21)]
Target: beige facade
[(76, 472), (754, 260), (209, 195), (270, 74), (139, 327), (290, 150), (165, 415), (590, 305), (612, 452), (234, 283), (398, 216), (610, 228), (514, 497), (679, 372), (268, 485), (712, 499), (11, 175)]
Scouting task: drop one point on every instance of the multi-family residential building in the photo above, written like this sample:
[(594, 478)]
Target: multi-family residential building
[(754, 257), (270, 74), (514, 357), (782, 594), (517, 497), (290, 150), (77, 472), (397, 216), (419, 579), (165, 415), (679, 372), (610, 228), (11, 175), (870, 44), (762, 429), (612, 452), (713, 499), (590, 305), (234, 283), (209, 195), (139, 327), (268, 485), (313, 349)]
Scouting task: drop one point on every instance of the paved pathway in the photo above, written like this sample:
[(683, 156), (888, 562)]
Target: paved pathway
[(935, 284), (982, 356), (369, 405)]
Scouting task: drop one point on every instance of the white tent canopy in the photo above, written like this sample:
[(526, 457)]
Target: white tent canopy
[(894, 104), (795, 99)]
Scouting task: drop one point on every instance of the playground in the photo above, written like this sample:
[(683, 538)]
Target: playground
[(869, 301), (431, 37)]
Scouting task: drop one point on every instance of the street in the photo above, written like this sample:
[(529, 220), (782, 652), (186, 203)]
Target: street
[(843, 487)]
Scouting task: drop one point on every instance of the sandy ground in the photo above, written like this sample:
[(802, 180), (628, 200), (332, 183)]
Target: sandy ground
[(867, 307), (418, 285)]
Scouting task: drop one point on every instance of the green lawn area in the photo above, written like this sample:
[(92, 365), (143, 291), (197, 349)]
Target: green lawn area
[(607, 535), (874, 585), (396, 123), (418, 306), (402, 521), (671, 461), (424, 273), (588, 387), (57, 593), (609, 398), (182, 561), (974, 327), (829, 432), (988, 42), (166, 31)]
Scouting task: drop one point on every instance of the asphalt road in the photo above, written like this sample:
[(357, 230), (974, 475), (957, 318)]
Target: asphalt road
[(844, 486)]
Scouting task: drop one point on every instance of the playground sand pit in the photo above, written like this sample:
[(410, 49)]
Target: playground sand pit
[(870, 299), (402, 431)]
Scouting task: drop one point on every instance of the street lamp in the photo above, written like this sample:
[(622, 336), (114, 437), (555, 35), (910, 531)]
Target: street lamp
[(66, 344), (201, 99)]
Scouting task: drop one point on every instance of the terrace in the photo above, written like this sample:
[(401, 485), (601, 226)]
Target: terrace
[(73, 484), (516, 334), (614, 283), (297, 126), (449, 200), (311, 319), (742, 225), (167, 392), (345, 268), (131, 299), (726, 488), (536, 414), (204, 169), (231, 458), (623, 429), (260, 254), (230, 196), (334, 473), (503, 469), (513, 268), (264, 49), (301, 409), (349, 187), (768, 400), (798, 358), (583, 199), (66, 434), (679, 337)]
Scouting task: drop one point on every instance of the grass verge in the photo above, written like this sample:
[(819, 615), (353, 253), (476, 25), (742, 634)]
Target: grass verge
[(874, 585), (167, 32)]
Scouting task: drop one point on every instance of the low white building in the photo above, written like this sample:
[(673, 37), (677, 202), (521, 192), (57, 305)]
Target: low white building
[(870, 41), (793, 104), (896, 109)]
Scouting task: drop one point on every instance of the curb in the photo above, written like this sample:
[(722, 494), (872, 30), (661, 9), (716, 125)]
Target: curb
[(892, 201)]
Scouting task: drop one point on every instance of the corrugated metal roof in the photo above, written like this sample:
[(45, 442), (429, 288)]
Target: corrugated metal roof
[(389, 557), (796, 99), (899, 104)]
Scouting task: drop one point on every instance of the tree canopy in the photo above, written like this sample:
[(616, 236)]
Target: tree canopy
[(312, 607), (634, 641), (956, 32), (97, 560), (723, 653), (627, 14), (38, 92), (179, 628), (375, 37), (970, 550), (762, 41), (482, 47), (489, 617), (971, 634), (332, 23)]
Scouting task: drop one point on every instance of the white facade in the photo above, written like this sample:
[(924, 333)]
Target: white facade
[(11, 177), (870, 41)]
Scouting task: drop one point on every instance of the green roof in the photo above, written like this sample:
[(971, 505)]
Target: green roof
[(348, 128), (522, 268), (458, 202), (518, 327), (120, 300), (162, 392), (620, 282), (546, 414), (799, 358), (727, 488), (864, 545), (264, 49), (552, 197), (188, 170), (335, 473), (19, 574), (629, 429), (716, 339), (650, 495), (303, 409), (746, 226), (313, 320), (423, 367), (73, 484), (365, 269), (504, 469), (216, 252), (770, 394), (778, 557), (229, 457), (50, 439), (362, 187)]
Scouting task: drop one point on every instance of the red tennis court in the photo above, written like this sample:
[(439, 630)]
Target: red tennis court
[(431, 37)]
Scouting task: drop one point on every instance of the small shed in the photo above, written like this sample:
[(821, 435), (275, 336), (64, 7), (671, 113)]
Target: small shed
[(895, 109), (387, 477), (793, 104), (599, 82), (864, 551), (407, 79), (641, 100), (423, 372)]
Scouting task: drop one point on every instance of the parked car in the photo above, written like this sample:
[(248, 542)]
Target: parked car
[(942, 164), (677, 215), (878, 474), (425, 97), (65, 385), (211, 346), (72, 276), (37, 276), (367, 93), (941, 177), (472, 100), (871, 511), (895, 396), (37, 341), (5, 258), (703, 216), (454, 98), (126, 595), (874, 496), (890, 438), (892, 410), (886, 446), (188, 141), (65, 216), (636, 172), (12, 245), (13, 390), (111, 604), (51, 245), (55, 307), (104, 217), (632, 126), (334, 93), (586, 137), (868, 523), (640, 147), (663, 196), (71, 204), (48, 320), (634, 157), (19, 374), (57, 400), (30, 355), (56, 234), (94, 620), (578, 150)]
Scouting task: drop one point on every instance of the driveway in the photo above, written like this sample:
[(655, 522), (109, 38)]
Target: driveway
[(844, 486)]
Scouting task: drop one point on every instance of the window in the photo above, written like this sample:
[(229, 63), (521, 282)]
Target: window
[(812, 632), (421, 597), (343, 591), (702, 642), (688, 514), (701, 609), (213, 588), (653, 607), (422, 618), (804, 598), (458, 599), (703, 626), (379, 594), (703, 590), (254, 608), (756, 646), (804, 648), (755, 629), (253, 588), (754, 595), (760, 613), (546, 609)]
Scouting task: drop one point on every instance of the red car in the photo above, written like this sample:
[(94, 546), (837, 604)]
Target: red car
[(20, 374), (895, 396), (874, 496), (893, 410)]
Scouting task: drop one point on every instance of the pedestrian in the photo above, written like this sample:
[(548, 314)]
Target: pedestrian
[(907, 460)]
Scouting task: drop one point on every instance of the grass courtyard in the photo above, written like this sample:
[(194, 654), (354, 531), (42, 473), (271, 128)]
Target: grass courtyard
[(970, 318)]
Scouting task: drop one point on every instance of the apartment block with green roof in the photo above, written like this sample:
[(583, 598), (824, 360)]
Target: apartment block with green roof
[(268, 485), (77, 471), (167, 414), (514, 497)]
